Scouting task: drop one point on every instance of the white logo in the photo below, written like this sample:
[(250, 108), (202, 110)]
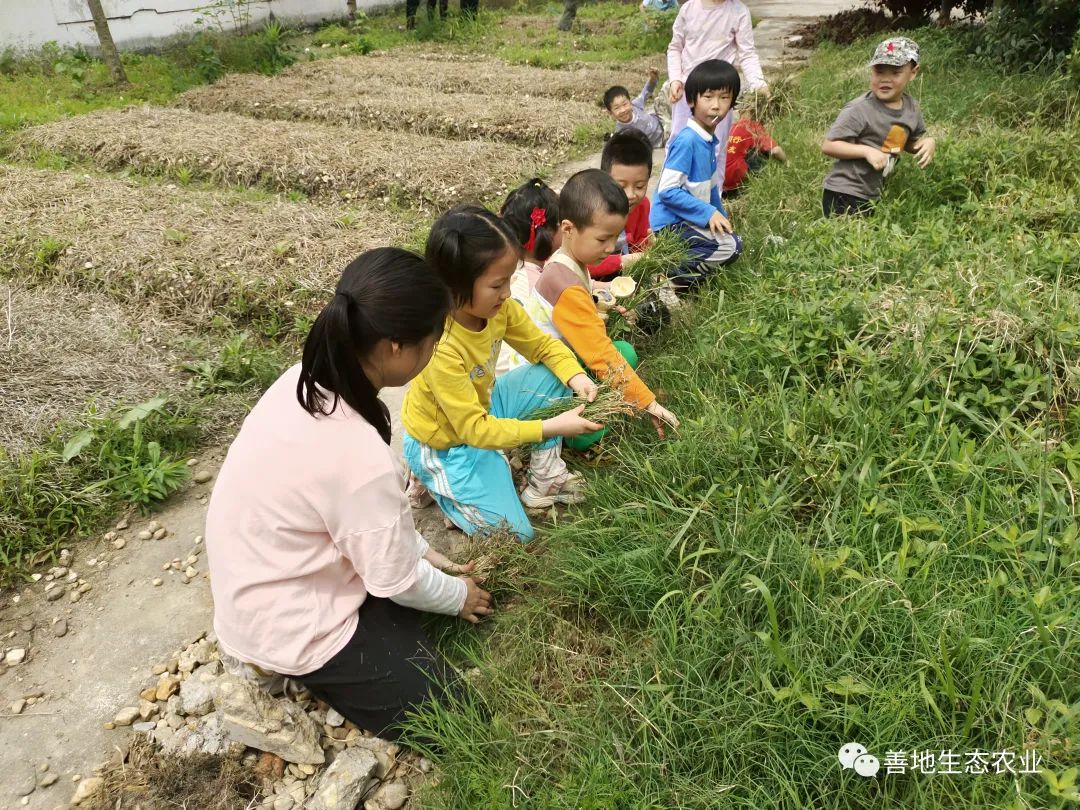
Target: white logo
[(854, 756)]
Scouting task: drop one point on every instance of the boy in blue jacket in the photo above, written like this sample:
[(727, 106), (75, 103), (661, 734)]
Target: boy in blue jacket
[(688, 195)]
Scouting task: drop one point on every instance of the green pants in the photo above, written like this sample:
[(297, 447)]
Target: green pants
[(587, 440)]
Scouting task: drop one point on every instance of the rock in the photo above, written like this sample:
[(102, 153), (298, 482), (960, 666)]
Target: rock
[(119, 543), (74, 597), (17, 656), (123, 524), (425, 765), (345, 782), (197, 697), (26, 625), (255, 718), (109, 726), (198, 540), (270, 766), (144, 535), (60, 628), (159, 669), (201, 477), (24, 781), (284, 803), (126, 716), (156, 582), (386, 763), (48, 780), (147, 709), (306, 770), (209, 671), (146, 727), (149, 693), (153, 526), (167, 687), (160, 533), (390, 796), (87, 789), (164, 736), (86, 587), (18, 706), (190, 572), (333, 719), (54, 594)]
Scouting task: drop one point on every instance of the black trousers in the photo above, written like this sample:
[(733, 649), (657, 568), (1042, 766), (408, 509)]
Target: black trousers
[(388, 667), (837, 204), (411, 7)]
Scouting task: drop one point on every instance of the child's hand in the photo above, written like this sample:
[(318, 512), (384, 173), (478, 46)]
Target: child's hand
[(583, 387), (654, 75), (570, 423), (675, 90), (477, 602), (924, 151), (443, 563), (764, 91), (876, 158), (629, 258), (719, 224), (661, 416)]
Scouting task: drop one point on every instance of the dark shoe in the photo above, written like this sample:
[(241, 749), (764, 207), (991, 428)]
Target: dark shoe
[(410, 23), (566, 21)]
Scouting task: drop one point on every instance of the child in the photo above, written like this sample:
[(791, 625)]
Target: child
[(749, 146), (872, 130), (532, 213), (627, 158), (703, 30), (593, 210), (457, 416), (631, 114), (688, 197)]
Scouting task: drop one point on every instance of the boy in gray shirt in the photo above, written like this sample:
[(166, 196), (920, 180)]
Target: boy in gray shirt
[(631, 114), (873, 130)]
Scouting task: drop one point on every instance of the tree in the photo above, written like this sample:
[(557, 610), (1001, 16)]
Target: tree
[(108, 47)]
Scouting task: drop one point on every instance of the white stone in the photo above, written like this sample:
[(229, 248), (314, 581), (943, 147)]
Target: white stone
[(345, 782), (15, 656), (258, 720), (197, 697), (87, 788), (333, 718)]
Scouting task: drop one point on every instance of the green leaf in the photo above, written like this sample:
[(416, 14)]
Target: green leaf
[(848, 686), (77, 443), (140, 412)]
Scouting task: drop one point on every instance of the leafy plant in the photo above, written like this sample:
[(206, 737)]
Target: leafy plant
[(241, 363)]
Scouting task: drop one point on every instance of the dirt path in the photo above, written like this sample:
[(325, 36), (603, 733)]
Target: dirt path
[(125, 624)]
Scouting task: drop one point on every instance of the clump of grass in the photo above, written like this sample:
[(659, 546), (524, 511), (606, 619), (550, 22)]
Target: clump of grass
[(665, 254), (608, 405)]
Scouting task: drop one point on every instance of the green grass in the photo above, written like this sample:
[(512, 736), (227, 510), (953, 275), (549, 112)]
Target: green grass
[(865, 529)]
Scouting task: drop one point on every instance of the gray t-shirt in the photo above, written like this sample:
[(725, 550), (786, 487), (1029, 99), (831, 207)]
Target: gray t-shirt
[(869, 122)]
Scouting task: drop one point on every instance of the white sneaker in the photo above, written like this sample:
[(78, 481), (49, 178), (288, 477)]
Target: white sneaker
[(571, 490)]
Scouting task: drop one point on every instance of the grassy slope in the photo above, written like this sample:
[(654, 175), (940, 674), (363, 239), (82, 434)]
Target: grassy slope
[(865, 530)]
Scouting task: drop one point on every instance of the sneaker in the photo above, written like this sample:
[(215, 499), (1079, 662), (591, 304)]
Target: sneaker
[(572, 490), (418, 494)]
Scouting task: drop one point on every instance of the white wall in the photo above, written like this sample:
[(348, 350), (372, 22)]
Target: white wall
[(27, 24)]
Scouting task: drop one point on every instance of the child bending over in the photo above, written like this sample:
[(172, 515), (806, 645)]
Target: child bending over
[(631, 114), (688, 196), (593, 210), (458, 417)]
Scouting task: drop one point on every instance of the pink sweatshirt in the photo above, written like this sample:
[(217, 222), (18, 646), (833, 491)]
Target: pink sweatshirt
[(709, 29)]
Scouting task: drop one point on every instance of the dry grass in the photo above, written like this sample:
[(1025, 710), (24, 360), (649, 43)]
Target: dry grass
[(192, 254), (470, 74), (500, 560), (340, 99), (317, 159), (60, 348), (150, 780)]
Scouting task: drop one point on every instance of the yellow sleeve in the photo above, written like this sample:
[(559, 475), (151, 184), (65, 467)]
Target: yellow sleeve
[(526, 338), (575, 316), (456, 396)]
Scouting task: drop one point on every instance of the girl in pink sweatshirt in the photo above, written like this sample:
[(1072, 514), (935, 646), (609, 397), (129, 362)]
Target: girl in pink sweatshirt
[(710, 29)]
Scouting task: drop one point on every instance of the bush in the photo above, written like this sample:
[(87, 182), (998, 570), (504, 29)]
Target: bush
[(1025, 32)]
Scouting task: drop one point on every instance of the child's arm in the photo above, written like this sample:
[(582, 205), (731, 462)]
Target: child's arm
[(778, 153), (843, 150), (674, 57), (748, 56), (920, 144), (647, 90), (525, 337), (609, 267)]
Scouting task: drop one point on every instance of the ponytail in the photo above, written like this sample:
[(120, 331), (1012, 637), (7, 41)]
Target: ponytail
[(532, 213), (385, 294)]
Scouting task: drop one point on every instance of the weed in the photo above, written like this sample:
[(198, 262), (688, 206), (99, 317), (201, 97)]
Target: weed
[(241, 363)]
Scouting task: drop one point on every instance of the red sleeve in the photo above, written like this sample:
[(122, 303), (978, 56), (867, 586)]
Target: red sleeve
[(637, 226), (608, 268)]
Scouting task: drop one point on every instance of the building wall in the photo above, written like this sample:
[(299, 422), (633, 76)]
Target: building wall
[(28, 24)]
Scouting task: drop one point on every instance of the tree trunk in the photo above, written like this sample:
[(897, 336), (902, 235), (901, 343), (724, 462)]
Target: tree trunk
[(108, 47), (351, 5)]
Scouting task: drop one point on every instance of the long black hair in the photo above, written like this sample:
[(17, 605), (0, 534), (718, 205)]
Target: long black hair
[(532, 212), (463, 243), (387, 293)]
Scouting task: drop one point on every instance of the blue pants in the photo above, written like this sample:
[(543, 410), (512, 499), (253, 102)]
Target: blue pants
[(475, 487), (707, 254)]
